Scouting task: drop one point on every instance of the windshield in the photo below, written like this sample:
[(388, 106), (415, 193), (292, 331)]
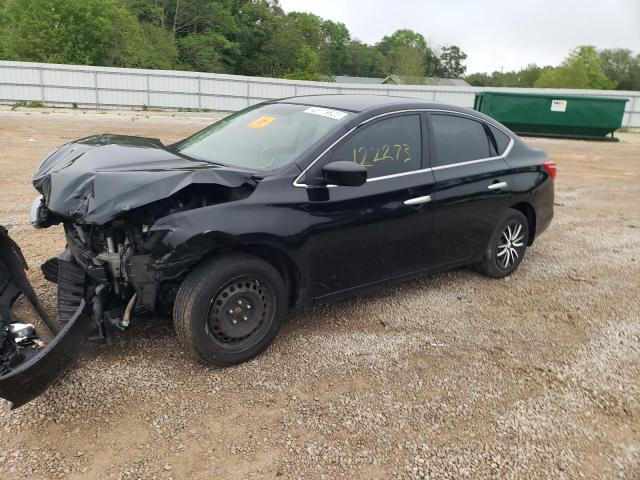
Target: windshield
[(264, 137)]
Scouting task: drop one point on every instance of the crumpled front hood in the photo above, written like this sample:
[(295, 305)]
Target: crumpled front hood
[(95, 179)]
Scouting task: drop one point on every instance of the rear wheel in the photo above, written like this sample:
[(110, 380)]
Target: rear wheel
[(507, 246), (230, 309)]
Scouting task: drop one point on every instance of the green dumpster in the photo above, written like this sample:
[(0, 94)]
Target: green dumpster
[(554, 115)]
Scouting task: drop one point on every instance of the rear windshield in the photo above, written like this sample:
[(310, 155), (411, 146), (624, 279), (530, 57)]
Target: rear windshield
[(264, 137)]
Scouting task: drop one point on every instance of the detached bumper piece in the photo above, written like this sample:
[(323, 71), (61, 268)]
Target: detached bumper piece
[(27, 366)]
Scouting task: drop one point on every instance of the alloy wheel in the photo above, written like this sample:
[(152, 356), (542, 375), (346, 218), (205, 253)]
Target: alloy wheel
[(510, 245)]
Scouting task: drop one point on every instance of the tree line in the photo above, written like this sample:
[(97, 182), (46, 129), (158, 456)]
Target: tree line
[(584, 67), (257, 38), (245, 37)]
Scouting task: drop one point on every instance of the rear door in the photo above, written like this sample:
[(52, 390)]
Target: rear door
[(472, 185), (378, 230)]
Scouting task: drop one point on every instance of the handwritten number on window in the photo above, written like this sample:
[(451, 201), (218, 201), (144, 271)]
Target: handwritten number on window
[(407, 151), (360, 156), (383, 153)]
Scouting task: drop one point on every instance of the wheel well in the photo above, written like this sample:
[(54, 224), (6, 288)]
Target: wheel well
[(528, 211)]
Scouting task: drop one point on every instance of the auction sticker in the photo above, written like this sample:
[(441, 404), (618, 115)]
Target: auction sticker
[(261, 122), (558, 105), (326, 112)]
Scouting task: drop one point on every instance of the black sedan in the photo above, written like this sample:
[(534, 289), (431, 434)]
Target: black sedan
[(280, 205)]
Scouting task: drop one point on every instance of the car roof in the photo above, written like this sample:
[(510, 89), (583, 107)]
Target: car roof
[(361, 103), (379, 104)]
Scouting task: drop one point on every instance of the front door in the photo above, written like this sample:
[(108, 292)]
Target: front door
[(378, 230)]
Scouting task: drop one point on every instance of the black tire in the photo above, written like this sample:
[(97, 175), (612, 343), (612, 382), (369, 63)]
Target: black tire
[(230, 308), (507, 246)]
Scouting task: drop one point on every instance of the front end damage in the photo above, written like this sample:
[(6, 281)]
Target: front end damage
[(123, 269), (109, 193), (28, 365)]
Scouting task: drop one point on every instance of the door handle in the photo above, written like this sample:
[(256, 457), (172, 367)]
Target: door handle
[(498, 186), (418, 200)]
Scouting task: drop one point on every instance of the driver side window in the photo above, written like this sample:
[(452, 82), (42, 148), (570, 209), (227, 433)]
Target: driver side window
[(386, 147)]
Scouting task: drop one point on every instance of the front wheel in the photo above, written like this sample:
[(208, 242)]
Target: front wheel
[(507, 246), (230, 309)]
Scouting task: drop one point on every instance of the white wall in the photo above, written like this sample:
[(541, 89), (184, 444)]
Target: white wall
[(106, 87)]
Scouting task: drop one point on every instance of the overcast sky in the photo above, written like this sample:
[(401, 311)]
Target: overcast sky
[(495, 34)]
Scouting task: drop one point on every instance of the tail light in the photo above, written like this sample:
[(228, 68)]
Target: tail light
[(551, 167)]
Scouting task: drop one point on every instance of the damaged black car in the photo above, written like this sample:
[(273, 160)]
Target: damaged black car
[(280, 205)]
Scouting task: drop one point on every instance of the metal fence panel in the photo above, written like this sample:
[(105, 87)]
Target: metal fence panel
[(55, 94), (16, 93), (121, 81), (173, 84), (173, 100), (271, 90), (119, 97), (24, 76), (224, 88), (106, 87), (229, 104), (67, 78)]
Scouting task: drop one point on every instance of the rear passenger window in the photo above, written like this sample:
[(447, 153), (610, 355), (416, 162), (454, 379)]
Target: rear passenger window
[(502, 140), (459, 139), (386, 147)]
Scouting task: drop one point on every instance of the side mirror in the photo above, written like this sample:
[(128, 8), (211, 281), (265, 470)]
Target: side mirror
[(343, 173)]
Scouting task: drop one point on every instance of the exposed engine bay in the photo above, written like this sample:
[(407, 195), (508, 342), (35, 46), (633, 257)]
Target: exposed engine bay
[(116, 266), (122, 267)]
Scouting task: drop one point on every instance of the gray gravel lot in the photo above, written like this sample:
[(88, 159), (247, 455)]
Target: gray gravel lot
[(450, 376)]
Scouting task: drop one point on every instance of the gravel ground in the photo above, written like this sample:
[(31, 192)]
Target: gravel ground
[(450, 376)]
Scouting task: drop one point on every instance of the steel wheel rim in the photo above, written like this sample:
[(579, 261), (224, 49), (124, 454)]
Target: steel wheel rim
[(510, 245), (240, 312)]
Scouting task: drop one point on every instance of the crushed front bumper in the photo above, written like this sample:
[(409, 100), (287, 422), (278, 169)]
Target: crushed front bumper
[(32, 377), (27, 366)]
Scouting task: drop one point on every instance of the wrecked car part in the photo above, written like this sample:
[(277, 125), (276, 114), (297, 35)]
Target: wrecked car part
[(24, 335), (108, 196), (95, 179), (13, 281), (126, 318), (50, 269), (36, 207), (71, 289), (25, 381), (27, 366)]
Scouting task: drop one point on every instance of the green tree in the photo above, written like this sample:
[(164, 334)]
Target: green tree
[(91, 32), (402, 37), (479, 79), (178, 17), (581, 69), (146, 11), (208, 52), (409, 64), (279, 55), (621, 66), (528, 76), (396, 48), (310, 26), (256, 23), (450, 63), (156, 49), (524, 78), (307, 66), (333, 55), (363, 60)]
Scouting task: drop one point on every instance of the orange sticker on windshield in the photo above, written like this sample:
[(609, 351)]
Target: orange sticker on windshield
[(261, 122)]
